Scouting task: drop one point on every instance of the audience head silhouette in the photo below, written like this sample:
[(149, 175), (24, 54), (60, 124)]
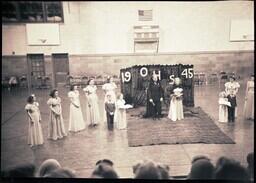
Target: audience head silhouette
[(104, 169), (230, 170), (48, 166), (201, 168), (60, 173), (24, 170), (146, 170)]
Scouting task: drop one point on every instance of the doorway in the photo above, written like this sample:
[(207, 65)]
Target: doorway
[(60, 68), (36, 68)]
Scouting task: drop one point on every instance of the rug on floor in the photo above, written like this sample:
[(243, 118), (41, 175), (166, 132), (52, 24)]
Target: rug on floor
[(196, 127)]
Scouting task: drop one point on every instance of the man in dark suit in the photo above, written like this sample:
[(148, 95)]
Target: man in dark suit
[(231, 109), (155, 97), (110, 111)]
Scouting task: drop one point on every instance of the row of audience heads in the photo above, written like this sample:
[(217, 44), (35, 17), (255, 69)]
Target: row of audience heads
[(201, 168)]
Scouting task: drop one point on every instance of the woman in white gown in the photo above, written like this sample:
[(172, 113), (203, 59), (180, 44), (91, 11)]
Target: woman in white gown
[(56, 123), (92, 107), (35, 134), (176, 106), (109, 89), (76, 120), (120, 115), (249, 99), (223, 107)]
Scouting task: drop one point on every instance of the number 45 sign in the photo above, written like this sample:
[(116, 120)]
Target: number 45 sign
[(188, 73), (126, 76)]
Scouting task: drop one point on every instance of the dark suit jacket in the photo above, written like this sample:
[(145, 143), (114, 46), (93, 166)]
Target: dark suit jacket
[(110, 107), (155, 91), (232, 101)]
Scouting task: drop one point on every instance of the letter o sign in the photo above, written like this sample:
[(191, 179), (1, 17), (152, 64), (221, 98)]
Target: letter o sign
[(143, 71)]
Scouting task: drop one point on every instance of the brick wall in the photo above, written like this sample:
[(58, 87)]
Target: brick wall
[(14, 65), (239, 62)]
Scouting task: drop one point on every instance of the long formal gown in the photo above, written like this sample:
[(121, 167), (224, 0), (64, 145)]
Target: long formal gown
[(223, 110), (35, 134), (176, 106), (76, 120), (109, 89), (56, 124), (249, 103), (92, 106), (120, 116), (232, 87)]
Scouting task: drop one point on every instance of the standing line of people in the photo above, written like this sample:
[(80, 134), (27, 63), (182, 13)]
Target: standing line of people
[(115, 112)]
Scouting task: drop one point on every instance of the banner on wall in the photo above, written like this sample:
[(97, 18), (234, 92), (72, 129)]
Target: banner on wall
[(135, 80)]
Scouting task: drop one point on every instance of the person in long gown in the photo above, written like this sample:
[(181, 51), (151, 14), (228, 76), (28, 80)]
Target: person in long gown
[(249, 99), (109, 89), (35, 134), (223, 107), (232, 87), (56, 124), (92, 107), (120, 115), (76, 120), (176, 106)]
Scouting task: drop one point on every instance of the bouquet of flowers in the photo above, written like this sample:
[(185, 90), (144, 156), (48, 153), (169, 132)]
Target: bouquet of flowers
[(223, 100), (177, 93)]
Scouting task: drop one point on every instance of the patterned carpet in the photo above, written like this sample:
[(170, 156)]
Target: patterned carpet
[(197, 127)]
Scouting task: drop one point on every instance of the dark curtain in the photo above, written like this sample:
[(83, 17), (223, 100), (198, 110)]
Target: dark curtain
[(135, 91)]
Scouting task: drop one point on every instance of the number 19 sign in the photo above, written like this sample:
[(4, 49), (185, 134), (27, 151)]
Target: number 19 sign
[(126, 76)]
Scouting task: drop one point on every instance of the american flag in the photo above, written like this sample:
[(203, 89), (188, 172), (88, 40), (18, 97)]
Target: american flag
[(145, 15)]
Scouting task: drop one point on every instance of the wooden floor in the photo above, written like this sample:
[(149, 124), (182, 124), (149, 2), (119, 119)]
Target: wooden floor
[(80, 151)]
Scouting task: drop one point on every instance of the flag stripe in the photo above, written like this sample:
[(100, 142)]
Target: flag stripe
[(145, 14)]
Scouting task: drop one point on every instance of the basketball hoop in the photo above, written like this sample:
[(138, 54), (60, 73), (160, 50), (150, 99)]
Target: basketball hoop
[(43, 40)]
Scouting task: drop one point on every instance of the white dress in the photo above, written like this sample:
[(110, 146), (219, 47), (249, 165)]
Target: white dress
[(223, 110), (120, 115), (76, 120), (56, 123), (109, 89), (176, 106), (35, 134), (249, 103), (232, 88), (92, 107)]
